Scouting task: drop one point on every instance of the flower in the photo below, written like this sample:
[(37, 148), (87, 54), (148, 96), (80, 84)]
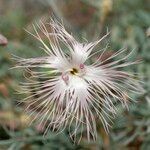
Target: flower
[(70, 89)]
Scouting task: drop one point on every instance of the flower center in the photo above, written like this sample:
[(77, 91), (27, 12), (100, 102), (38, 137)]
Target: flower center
[(74, 71)]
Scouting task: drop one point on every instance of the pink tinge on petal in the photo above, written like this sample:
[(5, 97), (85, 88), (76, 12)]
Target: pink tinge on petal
[(81, 66), (65, 77)]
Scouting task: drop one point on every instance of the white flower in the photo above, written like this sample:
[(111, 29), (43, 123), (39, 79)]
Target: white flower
[(68, 89)]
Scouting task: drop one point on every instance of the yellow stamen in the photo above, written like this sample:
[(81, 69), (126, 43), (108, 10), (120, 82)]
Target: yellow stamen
[(74, 71)]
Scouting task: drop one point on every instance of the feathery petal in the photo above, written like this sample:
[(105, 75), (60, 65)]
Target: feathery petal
[(66, 92)]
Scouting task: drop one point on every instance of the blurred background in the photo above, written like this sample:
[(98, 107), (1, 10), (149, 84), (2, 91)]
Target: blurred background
[(129, 23)]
